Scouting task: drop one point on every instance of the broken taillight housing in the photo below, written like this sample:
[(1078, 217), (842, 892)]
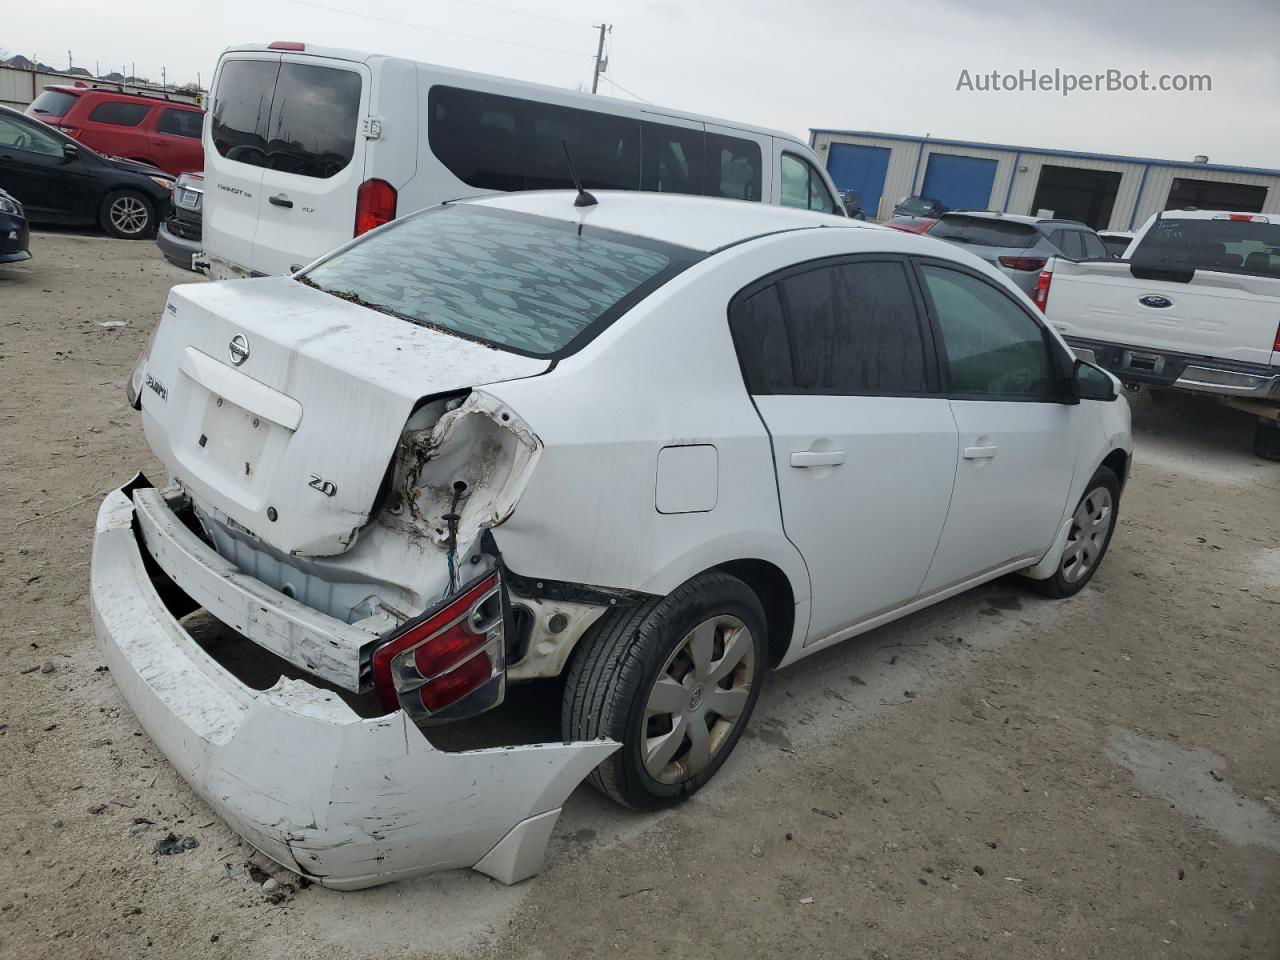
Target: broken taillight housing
[(449, 663)]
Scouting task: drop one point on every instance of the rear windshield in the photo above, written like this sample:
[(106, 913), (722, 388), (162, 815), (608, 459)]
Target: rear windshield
[(526, 284), (1232, 246), (53, 103), (294, 117), (915, 206), (983, 232)]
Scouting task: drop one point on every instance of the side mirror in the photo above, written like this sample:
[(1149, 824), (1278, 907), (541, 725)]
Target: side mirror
[(70, 151), (1092, 382), (851, 201)]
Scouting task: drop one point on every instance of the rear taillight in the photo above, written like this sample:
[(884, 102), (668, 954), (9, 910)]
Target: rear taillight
[(1023, 263), (375, 205), (292, 45), (1040, 295), (1276, 346), (446, 655)]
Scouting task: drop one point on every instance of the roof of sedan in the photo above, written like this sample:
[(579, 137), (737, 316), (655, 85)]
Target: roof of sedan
[(700, 223)]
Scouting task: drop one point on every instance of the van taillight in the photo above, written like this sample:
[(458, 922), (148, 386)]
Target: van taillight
[(293, 45), (1276, 346), (375, 205), (446, 655), (1040, 295)]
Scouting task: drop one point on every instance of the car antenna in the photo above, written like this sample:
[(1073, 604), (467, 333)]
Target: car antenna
[(583, 199)]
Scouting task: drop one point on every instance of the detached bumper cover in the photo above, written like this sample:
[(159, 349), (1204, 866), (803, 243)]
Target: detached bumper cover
[(350, 802)]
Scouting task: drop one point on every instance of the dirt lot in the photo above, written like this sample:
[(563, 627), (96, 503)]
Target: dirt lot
[(999, 776)]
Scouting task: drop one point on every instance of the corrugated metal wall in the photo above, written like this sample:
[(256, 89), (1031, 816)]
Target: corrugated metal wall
[(1143, 189)]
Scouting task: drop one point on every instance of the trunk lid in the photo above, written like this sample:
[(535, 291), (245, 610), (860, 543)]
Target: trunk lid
[(269, 399)]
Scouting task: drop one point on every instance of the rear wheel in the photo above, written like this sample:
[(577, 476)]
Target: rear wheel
[(127, 214), (1266, 440), (1092, 525), (674, 681)]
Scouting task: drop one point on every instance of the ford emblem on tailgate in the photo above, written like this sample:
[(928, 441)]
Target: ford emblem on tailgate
[(239, 349), (1155, 300)]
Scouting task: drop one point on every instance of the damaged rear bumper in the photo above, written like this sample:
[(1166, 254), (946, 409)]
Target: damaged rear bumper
[(350, 801)]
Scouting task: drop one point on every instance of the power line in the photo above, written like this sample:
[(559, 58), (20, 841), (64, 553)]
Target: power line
[(452, 33), (615, 83)]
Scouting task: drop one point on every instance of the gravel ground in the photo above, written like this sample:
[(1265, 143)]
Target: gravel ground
[(1000, 775)]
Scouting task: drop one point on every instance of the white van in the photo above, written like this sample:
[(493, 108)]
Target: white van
[(306, 147)]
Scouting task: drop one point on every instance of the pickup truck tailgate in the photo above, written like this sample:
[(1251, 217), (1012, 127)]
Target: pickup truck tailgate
[(1223, 315)]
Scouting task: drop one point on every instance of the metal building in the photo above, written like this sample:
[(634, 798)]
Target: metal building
[(1103, 190)]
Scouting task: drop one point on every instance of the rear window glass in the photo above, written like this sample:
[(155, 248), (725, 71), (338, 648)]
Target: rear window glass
[(983, 232), (120, 114), (1232, 246), (180, 123), (527, 284), (53, 103), (294, 117)]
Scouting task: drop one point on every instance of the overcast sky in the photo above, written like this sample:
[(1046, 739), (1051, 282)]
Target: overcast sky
[(845, 64)]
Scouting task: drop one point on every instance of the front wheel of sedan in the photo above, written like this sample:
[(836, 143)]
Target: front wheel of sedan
[(1092, 524), (674, 681), (127, 214)]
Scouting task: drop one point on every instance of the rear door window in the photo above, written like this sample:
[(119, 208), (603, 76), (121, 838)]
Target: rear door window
[(119, 114), (242, 110), (1068, 241), (846, 328), (1094, 248), (314, 115), (733, 167), (984, 231), (180, 123)]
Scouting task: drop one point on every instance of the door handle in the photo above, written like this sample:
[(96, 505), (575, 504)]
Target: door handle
[(280, 200), (980, 453), (817, 458)]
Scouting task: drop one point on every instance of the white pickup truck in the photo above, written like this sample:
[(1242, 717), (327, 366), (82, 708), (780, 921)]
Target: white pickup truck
[(1194, 307)]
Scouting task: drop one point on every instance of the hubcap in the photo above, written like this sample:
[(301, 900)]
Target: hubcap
[(697, 700), (128, 214), (1089, 528)]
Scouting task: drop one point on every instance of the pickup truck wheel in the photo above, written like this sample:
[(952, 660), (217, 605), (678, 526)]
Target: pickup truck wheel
[(127, 214), (1266, 440), (674, 681), (1092, 524)]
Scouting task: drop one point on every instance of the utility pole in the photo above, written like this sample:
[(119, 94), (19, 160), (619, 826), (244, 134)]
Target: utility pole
[(70, 65), (601, 62)]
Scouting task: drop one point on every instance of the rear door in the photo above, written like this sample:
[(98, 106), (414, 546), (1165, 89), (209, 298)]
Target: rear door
[(235, 149), (739, 165), (1017, 441), (315, 161), (175, 134), (836, 356)]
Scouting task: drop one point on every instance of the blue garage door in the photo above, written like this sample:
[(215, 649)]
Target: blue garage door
[(959, 183), (860, 169)]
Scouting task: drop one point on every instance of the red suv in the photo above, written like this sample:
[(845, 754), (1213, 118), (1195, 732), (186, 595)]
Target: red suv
[(163, 133)]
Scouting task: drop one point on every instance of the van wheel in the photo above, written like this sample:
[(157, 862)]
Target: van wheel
[(1092, 525), (674, 681), (127, 214), (1266, 440)]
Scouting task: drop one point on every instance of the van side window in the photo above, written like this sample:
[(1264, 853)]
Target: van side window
[(802, 186), (733, 167), (672, 158), (505, 143)]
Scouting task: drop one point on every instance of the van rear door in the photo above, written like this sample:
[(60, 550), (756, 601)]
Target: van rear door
[(315, 161), (235, 151)]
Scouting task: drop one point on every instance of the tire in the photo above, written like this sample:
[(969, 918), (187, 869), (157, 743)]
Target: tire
[(127, 214), (1266, 440), (1101, 501), (614, 677)]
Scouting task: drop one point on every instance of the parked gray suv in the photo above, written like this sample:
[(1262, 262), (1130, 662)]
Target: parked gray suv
[(1018, 246)]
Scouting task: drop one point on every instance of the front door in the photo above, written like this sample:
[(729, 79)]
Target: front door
[(51, 186), (1017, 440), (836, 356)]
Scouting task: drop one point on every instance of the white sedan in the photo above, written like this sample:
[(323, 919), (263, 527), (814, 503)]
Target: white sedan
[(654, 445)]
